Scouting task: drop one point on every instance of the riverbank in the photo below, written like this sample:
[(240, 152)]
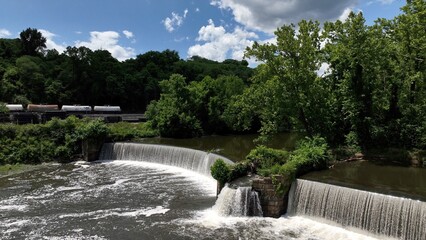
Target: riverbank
[(10, 169), (61, 140)]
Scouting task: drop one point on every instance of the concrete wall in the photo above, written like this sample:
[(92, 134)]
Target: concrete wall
[(91, 149)]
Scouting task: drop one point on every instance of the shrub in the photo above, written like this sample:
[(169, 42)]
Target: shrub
[(239, 170), (124, 131), (93, 129), (310, 154), (3, 108), (220, 171), (263, 159)]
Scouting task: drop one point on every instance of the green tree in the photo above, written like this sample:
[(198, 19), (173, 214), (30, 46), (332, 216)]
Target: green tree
[(32, 41), (174, 115), (31, 77), (409, 34), (291, 67)]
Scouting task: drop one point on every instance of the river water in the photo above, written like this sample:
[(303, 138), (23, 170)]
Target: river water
[(234, 147), (375, 177), (122, 199), (133, 200)]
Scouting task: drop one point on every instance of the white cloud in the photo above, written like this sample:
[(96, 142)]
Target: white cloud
[(386, 1), (128, 34), (197, 10), (4, 33), (108, 40), (78, 32), (268, 15), (171, 23), (219, 44), (50, 43), (345, 14), (181, 39), (175, 21)]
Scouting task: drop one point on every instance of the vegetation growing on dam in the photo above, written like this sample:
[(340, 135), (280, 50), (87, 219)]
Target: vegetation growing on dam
[(310, 154)]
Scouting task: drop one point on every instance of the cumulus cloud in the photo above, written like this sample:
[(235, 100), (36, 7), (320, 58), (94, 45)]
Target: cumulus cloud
[(4, 33), (50, 43), (175, 21), (170, 23), (128, 34), (345, 14), (108, 40), (268, 15), (218, 44)]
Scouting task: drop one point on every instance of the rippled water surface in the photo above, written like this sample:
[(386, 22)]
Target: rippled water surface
[(132, 200)]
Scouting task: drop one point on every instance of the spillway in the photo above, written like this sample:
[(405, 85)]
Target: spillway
[(377, 213), (190, 159)]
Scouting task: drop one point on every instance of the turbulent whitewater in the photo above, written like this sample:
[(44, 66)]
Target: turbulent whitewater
[(238, 202), (136, 195), (377, 213), (190, 159)]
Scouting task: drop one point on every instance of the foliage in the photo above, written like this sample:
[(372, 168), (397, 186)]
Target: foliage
[(32, 41), (3, 108), (29, 73), (263, 159), (220, 171), (372, 93), (124, 131), (239, 169), (174, 114), (310, 154), (94, 129), (191, 109), (57, 140)]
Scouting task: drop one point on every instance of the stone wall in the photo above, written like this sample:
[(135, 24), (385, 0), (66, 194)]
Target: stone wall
[(273, 204)]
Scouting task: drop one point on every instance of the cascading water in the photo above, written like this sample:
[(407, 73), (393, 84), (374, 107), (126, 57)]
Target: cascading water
[(194, 160), (238, 202), (377, 213)]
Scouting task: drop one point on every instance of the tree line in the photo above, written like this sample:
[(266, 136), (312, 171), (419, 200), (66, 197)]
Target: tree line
[(31, 74), (371, 94)]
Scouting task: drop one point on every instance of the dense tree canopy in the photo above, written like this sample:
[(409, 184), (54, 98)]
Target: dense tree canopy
[(29, 74), (372, 92), (32, 41)]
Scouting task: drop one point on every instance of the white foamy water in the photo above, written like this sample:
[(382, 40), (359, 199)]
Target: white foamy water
[(206, 183), (129, 199), (377, 213), (13, 207), (210, 222), (118, 213)]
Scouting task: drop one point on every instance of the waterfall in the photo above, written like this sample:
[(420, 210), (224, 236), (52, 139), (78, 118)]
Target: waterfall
[(377, 213), (194, 160), (238, 202)]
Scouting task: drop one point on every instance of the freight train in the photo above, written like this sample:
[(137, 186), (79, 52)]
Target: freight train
[(41, 113)]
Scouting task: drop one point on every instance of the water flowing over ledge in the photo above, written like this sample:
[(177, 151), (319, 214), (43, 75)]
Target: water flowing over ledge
[(190, 159), (377, 213), (238, 202)]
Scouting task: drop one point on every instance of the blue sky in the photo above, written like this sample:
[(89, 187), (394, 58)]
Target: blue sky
[(215, 29)]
